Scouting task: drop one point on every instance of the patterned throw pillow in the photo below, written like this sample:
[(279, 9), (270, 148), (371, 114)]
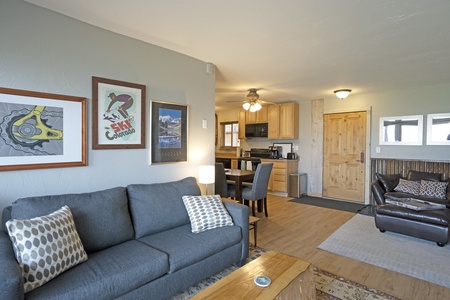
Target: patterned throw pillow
[(433, 189), (45, 246), (407, 186), (206, 212)]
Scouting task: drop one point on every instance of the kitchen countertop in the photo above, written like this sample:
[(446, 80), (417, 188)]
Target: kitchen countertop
[(243, 158)]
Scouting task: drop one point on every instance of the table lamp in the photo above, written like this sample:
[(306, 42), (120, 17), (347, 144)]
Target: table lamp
[(206, 175)]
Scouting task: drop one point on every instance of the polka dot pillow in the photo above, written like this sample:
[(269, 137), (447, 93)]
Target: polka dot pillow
[(206, 212), (45, 246)]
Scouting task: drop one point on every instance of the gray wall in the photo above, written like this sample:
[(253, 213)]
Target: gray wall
[(47, 52)]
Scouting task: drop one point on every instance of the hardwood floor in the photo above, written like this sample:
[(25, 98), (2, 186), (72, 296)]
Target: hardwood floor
[(298, 229)]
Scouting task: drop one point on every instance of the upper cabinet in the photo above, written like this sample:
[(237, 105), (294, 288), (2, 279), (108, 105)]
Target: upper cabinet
[(288, 121), (283, 121), (259, 116)]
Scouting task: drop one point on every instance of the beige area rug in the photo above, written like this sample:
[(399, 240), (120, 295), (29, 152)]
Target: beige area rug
[(359, 239), (328, 286)]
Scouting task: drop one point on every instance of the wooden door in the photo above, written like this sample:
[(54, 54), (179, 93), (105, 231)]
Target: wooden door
[(344, 156)]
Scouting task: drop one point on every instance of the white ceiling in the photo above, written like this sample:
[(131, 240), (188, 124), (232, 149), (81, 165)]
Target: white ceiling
[(292, 49)]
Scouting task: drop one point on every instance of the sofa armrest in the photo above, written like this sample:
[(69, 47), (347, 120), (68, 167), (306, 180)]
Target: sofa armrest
[(239, 214), (377, 192), (10, 272)]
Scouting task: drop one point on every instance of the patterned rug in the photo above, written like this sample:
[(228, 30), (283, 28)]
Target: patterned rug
[(328, 286)]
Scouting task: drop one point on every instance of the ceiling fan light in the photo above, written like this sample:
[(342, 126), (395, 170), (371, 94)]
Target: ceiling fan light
[(343, 93), (246, 105), (257, 106)]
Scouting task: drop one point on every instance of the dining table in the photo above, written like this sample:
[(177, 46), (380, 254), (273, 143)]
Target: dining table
[(239, 176)]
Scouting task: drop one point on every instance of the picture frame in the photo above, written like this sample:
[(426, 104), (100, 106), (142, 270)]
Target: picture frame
[(118, 114), (169, 132), (438, 129), (41, 130), (401, 130)]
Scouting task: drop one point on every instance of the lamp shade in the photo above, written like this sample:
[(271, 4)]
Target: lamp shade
[(343, 93), (246, 105), (206, 174)]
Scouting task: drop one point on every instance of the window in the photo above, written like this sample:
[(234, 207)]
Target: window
[(230, 134), (402, 130)]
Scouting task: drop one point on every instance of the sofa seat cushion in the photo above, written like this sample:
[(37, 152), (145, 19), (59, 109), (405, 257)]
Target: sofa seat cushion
[(102, 218), (158, 207), (107, 274), (186, 248), (438, 217), (406, 195)]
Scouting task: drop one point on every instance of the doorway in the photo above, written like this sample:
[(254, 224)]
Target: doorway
[(344, 156)]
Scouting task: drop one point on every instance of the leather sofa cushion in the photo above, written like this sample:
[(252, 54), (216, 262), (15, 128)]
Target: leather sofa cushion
[(418, 176), (438, 217), (389, 182)]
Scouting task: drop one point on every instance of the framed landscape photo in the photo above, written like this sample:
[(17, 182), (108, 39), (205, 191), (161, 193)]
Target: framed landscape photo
[(118, 114), (168, 132), (41, 130)]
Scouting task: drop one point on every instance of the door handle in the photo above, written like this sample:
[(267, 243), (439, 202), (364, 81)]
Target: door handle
[(362, 157)]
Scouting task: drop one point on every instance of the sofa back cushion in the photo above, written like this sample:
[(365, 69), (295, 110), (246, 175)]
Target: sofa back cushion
[(101, 218), (159, 206), (389, 182), (418, 176)]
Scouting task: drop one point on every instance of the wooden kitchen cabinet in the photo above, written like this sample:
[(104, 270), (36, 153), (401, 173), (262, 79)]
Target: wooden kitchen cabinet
[(273, 118), (234, 164), (259, 116), (281, 171), (288, 121), (283, 121), (241, 121)]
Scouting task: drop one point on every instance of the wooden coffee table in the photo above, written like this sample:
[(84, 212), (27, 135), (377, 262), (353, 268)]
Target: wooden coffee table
[(291, 278)]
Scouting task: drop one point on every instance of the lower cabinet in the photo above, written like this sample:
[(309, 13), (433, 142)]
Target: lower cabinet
[(279, 178)]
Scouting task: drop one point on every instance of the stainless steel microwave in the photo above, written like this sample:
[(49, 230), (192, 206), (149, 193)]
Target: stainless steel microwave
[(256, 130)]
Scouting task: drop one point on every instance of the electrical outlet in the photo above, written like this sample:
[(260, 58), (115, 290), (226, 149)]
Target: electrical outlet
[(378, 149), (295, 148)]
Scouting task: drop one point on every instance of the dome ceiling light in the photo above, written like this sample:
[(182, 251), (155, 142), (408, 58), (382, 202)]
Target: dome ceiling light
[(342, 93)]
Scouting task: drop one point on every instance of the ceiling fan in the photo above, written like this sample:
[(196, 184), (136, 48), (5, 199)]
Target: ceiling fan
[(253, 103)]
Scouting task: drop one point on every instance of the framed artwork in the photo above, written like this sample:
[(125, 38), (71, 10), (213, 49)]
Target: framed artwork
[(438, 129), (41, 130), (401, 130), (118, 114), (169, 132)]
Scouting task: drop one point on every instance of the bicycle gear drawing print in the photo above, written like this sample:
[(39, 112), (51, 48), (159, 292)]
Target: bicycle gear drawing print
[(31, 130), (118, 114), (41, 130)]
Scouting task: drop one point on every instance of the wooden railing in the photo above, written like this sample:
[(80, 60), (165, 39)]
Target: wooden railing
[(402, 166)]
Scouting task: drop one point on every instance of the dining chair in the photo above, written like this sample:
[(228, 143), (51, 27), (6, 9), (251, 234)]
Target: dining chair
[(258, 190), (221, 186)]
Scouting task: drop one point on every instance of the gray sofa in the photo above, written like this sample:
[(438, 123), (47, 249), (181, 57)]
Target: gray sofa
[(138, 240)]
